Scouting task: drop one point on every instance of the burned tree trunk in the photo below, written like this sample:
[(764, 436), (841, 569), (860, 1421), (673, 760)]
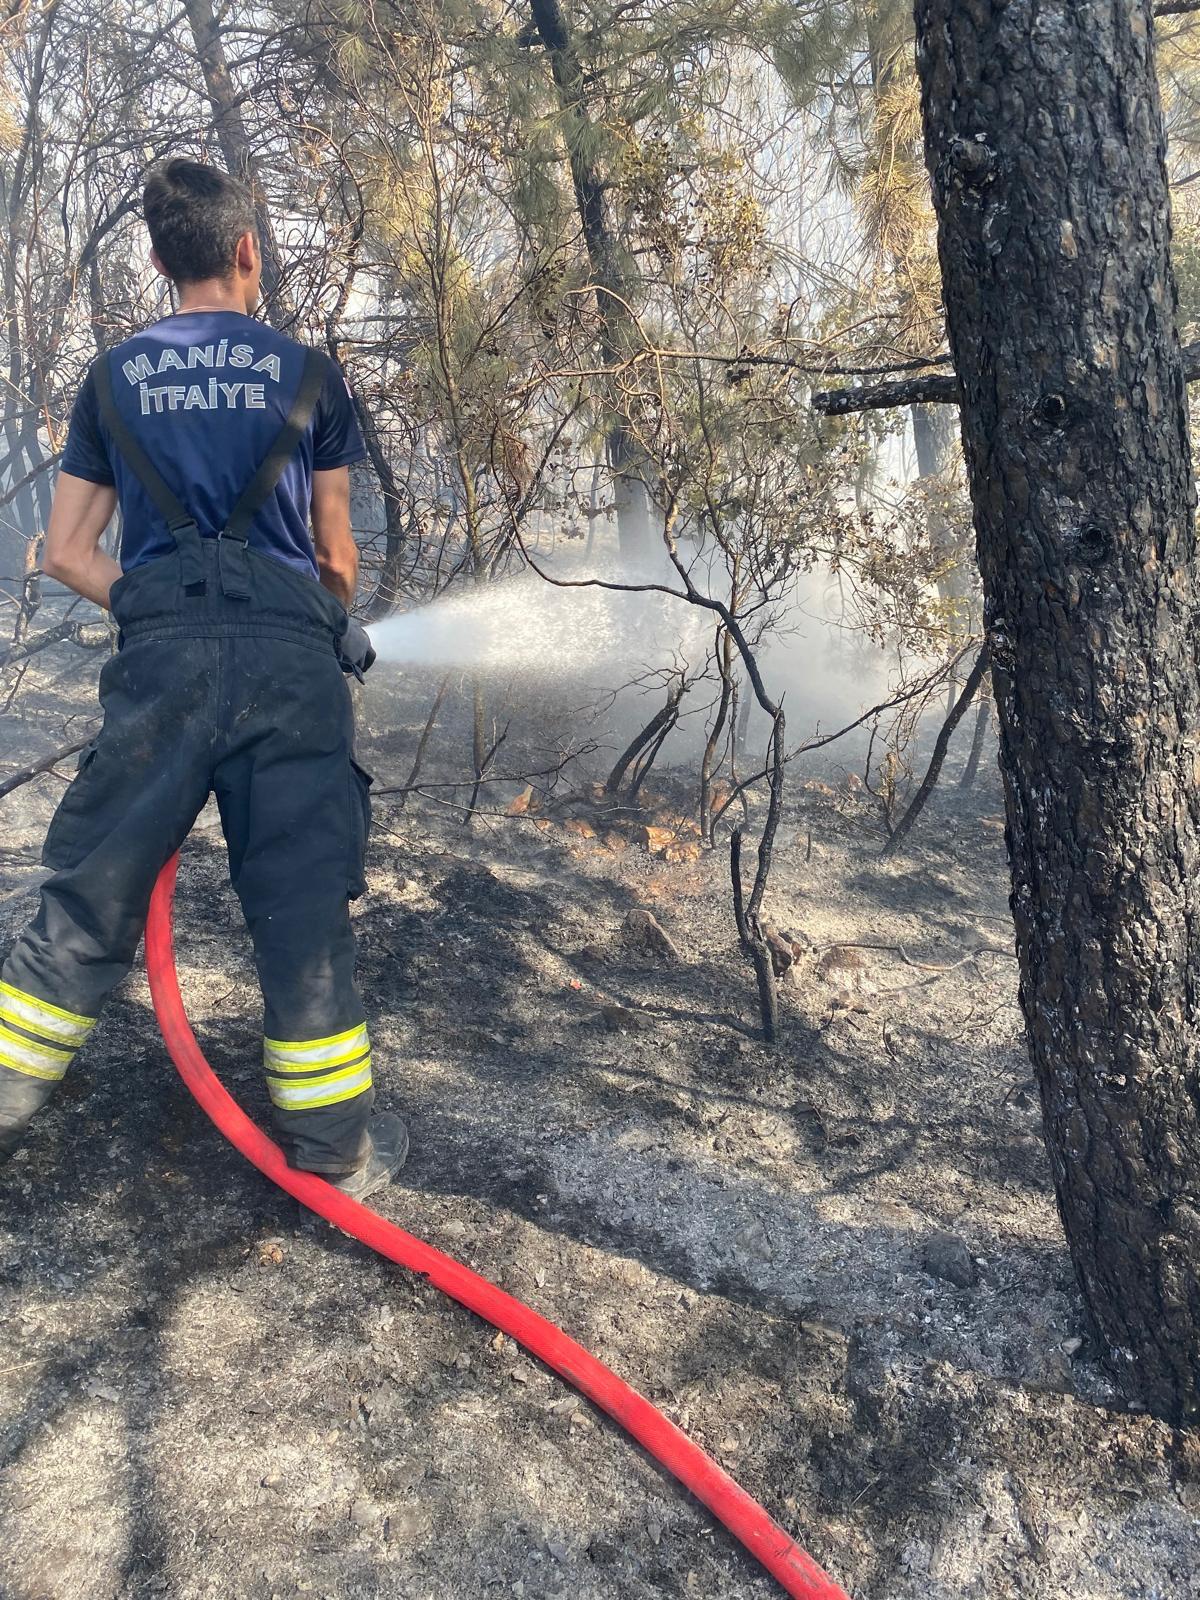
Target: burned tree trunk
[(398, 518), (618, 331), (755, 944), (661, 722), (1044, 141), (724, 658), (983, 723)]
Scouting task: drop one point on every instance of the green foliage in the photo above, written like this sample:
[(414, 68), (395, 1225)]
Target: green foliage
[(1185, 256), (527, 269)]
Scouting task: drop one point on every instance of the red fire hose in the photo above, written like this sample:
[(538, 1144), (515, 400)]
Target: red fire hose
[(746, 1520)]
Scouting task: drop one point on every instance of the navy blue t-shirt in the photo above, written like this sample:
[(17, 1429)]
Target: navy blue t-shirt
[(206, 393)]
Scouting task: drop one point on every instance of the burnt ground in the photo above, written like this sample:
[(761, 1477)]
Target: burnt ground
[(205, 1391)]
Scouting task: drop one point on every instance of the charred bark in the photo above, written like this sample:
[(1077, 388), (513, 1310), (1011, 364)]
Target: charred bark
[(724, 659), (755, 944), (662, 719), (1045, 145), (647, 761)]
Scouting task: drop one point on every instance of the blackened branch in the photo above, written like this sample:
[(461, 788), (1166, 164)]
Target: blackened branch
[(934, 390)]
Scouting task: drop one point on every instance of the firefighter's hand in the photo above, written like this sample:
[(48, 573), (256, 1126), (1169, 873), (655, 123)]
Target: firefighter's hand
[(356, 650)]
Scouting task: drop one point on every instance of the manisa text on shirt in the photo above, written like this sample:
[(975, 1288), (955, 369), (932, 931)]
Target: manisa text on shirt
[(211, 395)]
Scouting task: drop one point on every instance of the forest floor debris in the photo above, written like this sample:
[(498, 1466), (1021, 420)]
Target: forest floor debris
[(204, 1391)]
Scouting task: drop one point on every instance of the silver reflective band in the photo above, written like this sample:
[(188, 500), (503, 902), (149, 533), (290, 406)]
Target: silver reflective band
[(33, 1059), (326, 1090), (39, 1016), (304, 1055)]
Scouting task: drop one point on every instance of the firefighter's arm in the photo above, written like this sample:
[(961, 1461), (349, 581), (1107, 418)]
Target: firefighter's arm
[(79, 514), (337, 553)]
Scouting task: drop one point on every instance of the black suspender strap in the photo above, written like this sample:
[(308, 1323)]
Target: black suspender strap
[(178, 519), (254, 496), (235, 574)]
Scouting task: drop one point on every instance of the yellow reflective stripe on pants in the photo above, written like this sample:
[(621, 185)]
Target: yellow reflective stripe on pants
[(33, 1059), (324, 1089), (39, 1016), (306, 1055)]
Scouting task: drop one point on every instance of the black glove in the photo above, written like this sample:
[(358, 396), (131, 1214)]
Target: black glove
[(355, 650)]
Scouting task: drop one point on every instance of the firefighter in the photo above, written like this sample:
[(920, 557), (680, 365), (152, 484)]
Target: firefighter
[(220, 439)]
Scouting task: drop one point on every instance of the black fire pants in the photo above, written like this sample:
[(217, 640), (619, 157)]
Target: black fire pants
[(244, 698)]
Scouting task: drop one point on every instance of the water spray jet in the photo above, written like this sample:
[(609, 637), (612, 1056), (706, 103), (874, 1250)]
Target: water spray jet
[(528, 627)]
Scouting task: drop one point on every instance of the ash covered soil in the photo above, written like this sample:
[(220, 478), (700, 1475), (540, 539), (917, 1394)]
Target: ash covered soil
[(836, 1263)]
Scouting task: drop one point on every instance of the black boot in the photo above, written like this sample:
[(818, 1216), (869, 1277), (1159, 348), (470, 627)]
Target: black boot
[(21, 1098), (389, 1150)]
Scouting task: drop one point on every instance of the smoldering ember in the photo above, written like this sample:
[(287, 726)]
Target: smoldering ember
[(598, 988)]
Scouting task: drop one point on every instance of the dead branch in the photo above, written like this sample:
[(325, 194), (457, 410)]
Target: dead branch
[(885, 794), (648, 758), (935, 390), (664, 718), (422, 742), (481, 768), (881, 396), (970, 689), (80, 633), (819, 741), (911, 961), (550, 773), (46, 764), (723, 656)]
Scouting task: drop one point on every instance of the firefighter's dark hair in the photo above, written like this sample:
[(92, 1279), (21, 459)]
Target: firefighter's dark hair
[(196, 214)]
